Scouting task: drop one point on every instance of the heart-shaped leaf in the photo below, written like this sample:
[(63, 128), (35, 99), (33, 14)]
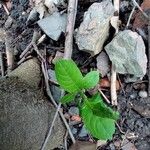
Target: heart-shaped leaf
[(68, 75), (101, 128), (99, 108)]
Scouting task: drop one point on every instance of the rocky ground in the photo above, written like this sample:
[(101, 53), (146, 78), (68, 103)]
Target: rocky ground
[(24, 98)]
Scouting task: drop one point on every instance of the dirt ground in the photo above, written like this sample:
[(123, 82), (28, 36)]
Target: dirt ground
[(134, 111)]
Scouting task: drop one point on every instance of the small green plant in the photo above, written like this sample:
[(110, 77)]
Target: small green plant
[(98, 118)]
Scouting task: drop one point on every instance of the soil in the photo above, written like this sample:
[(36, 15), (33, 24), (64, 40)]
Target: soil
[(132, 110)]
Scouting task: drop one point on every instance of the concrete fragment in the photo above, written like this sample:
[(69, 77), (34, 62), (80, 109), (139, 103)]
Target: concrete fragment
[(127, 53), (54, 25), (94, 29)]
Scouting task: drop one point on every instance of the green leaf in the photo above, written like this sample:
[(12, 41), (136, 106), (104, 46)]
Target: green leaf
[(68, 98), (99, 108), (91, 79), (68, 75), (101, 128)]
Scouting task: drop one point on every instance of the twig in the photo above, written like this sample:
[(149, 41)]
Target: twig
[(41, 39), (9, 52), (34, 39), (2, 64), (113, 69), (6, 10), (72, 10), (106, 99), (50, 130), (54, 103), (38, 52), (137, 5), (120, 128), (149, 56), (65, 140), (129, 19)]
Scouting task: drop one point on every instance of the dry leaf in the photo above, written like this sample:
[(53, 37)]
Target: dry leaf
[(105, 83)]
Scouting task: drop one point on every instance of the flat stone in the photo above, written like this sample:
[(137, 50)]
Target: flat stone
[(125, 51), (94, 29), (25, 117), (54, 25)]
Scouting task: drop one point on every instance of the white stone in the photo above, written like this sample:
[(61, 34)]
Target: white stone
[(143, 94)]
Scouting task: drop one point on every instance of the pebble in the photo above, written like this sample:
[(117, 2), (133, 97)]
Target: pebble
[(73, 111), (83, 132), (143, 94), (74, 130), (133, 95), (8, 22)]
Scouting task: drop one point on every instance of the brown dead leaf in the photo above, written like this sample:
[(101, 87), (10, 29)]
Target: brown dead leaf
[(140, 20), (76, 118), (105, 83)]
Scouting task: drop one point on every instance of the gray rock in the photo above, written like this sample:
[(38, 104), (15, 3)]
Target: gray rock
[(94, 29), (74, 111), (83, 132), (74, 130), (52, 75), (25, 114), (54, 25), (127, 53), (103, 63), (56, 92)]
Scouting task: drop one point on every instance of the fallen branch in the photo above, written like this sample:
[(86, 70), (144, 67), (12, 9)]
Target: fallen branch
[(113, 69), (133, 9), (72, 9), (9, 52), (2, 64), (149, 56)]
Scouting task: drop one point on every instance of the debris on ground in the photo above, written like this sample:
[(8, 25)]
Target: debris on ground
[(29, 93)]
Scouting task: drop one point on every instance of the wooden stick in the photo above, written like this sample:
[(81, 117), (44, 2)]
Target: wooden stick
[(133, 9), (2, 64), (149, 56), (55, 104), (72, 10), (113, 69), (9, 52)]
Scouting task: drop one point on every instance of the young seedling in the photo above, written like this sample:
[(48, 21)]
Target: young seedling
[(98, 118)]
